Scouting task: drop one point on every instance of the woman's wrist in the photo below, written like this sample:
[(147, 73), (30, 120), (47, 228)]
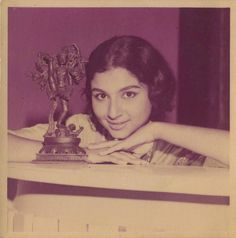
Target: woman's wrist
[(155, 130)]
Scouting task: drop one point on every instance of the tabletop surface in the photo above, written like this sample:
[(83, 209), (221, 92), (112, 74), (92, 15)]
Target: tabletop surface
[(181, 179)]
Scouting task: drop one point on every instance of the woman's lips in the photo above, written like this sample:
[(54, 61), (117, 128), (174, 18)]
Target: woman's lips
[(116, 126)]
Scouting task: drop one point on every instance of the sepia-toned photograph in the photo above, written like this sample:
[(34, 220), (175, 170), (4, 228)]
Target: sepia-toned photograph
[(118, 120)]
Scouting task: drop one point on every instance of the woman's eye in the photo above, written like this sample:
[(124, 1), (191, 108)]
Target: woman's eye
[(129, 94), (100, 96)]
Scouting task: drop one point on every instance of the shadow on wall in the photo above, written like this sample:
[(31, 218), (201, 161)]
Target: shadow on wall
[(204, 67)]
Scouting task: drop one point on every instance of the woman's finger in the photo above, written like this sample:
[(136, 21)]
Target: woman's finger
[(129, 143), (117, 160), (94, 157), (104, 144), (127, 158), (122, 145), (121, 158)]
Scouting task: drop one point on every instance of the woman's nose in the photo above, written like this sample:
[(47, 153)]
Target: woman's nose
[(114, 110)]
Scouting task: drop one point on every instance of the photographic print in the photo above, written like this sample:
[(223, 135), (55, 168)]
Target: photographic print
[(117, 119)]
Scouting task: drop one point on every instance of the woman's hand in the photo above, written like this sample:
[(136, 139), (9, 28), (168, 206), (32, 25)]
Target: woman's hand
[(143, 135), (121, 158)]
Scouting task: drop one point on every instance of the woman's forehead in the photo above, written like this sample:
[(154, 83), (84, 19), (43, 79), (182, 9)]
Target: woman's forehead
[(115, 79)]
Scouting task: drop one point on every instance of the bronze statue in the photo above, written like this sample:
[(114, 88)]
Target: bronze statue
[(57, 75)]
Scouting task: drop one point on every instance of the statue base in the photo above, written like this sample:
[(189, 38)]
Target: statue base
[(61, 147), (60, 158)]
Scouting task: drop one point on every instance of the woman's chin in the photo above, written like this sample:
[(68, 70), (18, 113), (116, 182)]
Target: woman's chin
[(119, 135)]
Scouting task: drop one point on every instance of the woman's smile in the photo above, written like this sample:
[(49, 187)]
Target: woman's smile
[(116, 126)]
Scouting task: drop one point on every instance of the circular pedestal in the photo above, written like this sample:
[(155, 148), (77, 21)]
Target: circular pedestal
[(61, 149)]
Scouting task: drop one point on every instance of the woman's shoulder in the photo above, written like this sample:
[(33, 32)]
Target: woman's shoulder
[(78, 119), (37, 131), (89, 133), (81, 120)]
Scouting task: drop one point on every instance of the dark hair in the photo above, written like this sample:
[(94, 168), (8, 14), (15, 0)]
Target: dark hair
[(141, 59)]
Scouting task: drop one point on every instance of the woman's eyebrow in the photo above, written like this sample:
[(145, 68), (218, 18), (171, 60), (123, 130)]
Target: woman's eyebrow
[(130, 87), (98, 90), (121, 90)]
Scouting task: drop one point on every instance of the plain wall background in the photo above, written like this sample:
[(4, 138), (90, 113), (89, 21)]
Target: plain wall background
[(32, 30)]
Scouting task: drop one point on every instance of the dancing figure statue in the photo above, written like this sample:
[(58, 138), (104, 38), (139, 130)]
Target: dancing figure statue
[(57, 75)]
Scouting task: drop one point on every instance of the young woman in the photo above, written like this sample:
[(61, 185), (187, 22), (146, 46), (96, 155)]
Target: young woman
[(129, 89)]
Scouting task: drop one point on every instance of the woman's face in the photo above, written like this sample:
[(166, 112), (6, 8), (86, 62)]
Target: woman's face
[(120, 102)]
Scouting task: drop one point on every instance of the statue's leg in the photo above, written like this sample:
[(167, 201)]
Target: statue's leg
[(53, 107), (64, 104)]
